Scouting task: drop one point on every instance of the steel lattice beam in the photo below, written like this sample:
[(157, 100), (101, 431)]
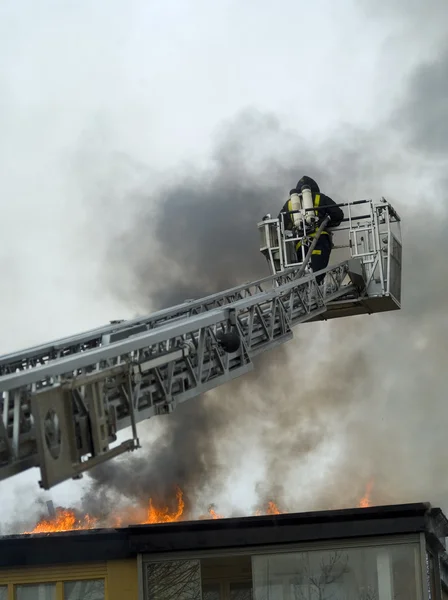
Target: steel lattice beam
[(62, 404), (174, 356)]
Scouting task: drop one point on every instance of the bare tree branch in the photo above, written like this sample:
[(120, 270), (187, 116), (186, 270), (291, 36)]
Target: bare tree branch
[(174, 580)]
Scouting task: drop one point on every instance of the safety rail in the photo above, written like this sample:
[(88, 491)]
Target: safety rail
[(371, 239)]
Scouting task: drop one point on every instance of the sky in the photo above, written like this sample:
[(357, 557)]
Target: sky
[(90, 89), (110, 112)]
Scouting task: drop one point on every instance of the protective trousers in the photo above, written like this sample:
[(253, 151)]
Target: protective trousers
[(320, 256)]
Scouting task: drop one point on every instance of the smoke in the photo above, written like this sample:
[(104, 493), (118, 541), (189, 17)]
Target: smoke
[(399, 428), (196, 234), (371, 387), (424, 116), (346, 402), (202, 238)]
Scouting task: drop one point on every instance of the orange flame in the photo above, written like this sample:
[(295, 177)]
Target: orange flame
[(163, 515), (273, 509), (365, 501), (214, 514), (68, 520), (65, 520)]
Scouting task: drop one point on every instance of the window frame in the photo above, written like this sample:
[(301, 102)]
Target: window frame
[(428, 551), (412, 545), (58, 582), (341, 543), (277, 548), (14, 586), (79, 580)]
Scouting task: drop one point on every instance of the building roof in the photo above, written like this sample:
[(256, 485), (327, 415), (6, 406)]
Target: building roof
[(109, 544)]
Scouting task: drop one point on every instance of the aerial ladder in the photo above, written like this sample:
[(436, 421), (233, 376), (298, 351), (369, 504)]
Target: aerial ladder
[(63, 403)]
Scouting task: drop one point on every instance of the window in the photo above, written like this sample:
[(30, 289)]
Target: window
[(227, 578), (225, 590), (38, 591), (3, 592), (92, 589), (386, 572), (173, 580), (211, 591), (241, 591)]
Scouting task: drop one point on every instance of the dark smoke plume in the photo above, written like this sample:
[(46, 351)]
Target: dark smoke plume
[(202, 238), (346, 402), (373, 385)]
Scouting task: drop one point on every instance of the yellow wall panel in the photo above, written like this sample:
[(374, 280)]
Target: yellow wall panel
[(122, 580), (120, 576), (56, 573)]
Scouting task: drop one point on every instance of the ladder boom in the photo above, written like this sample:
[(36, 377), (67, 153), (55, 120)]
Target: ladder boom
[(62, 404)]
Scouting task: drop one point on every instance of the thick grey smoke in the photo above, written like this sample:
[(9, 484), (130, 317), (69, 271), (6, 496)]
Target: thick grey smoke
[(372, 386), (424, 116), (201, 236), (201, 239), (400, 426), (345, 403)]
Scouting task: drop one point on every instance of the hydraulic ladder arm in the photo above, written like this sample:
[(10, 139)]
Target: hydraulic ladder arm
[(62, 404)]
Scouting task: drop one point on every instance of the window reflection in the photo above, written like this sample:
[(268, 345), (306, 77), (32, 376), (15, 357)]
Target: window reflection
[(3, 592), (84, 590), (225, 590), (241, 591), (39, 591), (346, 574), (173, 580), (211, 591)]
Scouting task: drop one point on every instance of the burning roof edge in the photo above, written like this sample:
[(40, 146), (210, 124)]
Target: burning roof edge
[(109, 544)]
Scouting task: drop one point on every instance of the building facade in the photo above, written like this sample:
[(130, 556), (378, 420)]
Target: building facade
[(381, 553)]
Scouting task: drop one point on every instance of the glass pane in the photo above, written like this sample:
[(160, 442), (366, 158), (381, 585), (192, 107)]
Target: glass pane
[(387, 573), (211, 591), (3, 592), (91, 589), (40, 591), (173, 580), (241, 591)]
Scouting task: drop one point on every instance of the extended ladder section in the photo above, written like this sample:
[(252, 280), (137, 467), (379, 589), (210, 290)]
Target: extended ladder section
[(62, 404)]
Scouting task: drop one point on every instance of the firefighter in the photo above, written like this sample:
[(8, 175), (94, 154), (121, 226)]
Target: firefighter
[(323, 206)]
